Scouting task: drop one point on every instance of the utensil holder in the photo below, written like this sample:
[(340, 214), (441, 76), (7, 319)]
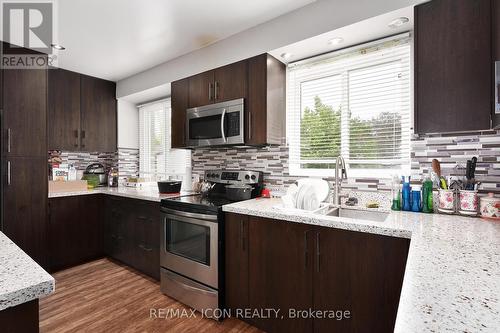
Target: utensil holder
[(447, 201), (468, 202)]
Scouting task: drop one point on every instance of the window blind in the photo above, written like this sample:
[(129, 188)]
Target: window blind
[(157, 160), (355, 103)]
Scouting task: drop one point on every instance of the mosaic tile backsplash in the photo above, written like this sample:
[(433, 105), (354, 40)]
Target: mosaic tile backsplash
[(126, 160), (451, 150)]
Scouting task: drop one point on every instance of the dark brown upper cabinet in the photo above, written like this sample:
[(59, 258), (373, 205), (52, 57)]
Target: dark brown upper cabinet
[(453, 66), (82, 112), (259, 80), (64, 110), (496, 58), (98, 119), (24, 112), (265, 114), (179, 104)]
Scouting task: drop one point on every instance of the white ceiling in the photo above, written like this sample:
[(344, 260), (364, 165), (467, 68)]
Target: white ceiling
[(364, 31), (114, 39)]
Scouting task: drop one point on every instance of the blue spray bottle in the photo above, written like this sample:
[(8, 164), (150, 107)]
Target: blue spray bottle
[(405, 194)]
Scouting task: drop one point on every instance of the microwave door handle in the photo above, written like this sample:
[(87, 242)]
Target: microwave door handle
[(222, 125)]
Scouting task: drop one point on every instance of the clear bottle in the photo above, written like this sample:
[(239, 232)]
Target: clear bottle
[(72, 173)]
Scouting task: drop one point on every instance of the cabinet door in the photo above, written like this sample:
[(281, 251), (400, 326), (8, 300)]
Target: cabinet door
[(25, 204), (201, 89), (98, 115), (453, 66), (147, 238), (119, 232), (64, 110), (280, 274), (179, 91), (496, 57), (236, 253), (231, 82), (91, 209), (25, 112), (360, 273)]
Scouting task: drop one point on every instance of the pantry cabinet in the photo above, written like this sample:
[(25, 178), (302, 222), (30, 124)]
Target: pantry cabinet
[(453, 66), (496, 58), (260, 81), (81, 112), (356, 275)]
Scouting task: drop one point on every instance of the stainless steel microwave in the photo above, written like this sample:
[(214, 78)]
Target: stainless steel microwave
[(216, 124)]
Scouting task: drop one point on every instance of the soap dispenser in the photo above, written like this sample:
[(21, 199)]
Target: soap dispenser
[(406, 194)]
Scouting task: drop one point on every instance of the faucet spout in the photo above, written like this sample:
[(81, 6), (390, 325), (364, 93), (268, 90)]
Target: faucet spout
[(340, 163)]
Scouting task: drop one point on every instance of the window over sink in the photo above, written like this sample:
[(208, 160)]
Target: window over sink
[(355, 103), (157, 160)]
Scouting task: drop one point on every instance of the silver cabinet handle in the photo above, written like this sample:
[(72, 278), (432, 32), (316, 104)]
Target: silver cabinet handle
[(216, 90), (8, 173), (222, 118), (318, 252), (249, 125), (8, 139)]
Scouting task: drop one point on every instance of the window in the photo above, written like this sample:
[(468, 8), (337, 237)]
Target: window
[(355, 103), (157, 160)]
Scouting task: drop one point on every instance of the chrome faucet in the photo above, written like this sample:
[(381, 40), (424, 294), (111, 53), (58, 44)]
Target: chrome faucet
[(338, 182)]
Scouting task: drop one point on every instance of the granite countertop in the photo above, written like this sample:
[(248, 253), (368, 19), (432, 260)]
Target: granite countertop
[(149, 193), (21, 278), (451, 282)]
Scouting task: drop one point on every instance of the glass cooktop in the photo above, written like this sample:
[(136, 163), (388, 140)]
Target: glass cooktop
[(195, 203)]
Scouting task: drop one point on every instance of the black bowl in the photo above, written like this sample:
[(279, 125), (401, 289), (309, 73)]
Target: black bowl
[(169, 186)]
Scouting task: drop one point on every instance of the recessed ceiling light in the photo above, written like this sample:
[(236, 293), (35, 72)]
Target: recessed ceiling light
[(396, 23), (286, 55), (335, 40), (58, 47)]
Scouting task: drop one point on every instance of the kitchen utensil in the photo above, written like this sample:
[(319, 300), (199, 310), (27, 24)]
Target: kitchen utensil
[(169, 186), (446, 201), (490, 207), (239, 192), (468, 202), (436, 167)]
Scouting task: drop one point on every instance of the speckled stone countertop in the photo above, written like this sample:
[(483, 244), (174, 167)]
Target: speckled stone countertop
[(149, 193), (452, 277), (21, 278)]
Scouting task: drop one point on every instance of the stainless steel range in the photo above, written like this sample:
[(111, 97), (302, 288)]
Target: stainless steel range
[(192, 258)]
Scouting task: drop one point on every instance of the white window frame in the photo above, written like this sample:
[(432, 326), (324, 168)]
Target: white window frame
[(293, 143)]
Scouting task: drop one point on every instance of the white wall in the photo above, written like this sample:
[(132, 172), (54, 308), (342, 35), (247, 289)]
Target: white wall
[(314, 19), (128, 125)]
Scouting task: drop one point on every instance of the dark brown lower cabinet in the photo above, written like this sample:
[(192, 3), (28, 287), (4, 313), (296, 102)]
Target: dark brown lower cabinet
[(132, 234), (20, 318), (352, 279), (75, 230)]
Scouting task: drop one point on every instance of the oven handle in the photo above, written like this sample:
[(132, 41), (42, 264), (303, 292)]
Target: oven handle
[(222, 125), (175, 213)]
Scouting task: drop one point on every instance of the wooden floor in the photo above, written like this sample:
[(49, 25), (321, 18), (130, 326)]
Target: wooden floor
[(103, 296)]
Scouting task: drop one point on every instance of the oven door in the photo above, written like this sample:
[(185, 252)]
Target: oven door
[(215, 124), (189, 245)]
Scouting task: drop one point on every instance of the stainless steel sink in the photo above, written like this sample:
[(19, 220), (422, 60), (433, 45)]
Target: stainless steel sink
[(357, 214)]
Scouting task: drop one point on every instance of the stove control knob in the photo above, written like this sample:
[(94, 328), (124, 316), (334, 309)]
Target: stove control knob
[(216, 175), (253, 177), (247, 177)]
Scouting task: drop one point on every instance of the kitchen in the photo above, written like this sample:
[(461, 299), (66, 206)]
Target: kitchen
[(305, 166)]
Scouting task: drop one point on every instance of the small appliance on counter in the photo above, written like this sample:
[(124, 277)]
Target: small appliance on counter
[(113, 177), (95, 174), (169, 186), (192, 270)]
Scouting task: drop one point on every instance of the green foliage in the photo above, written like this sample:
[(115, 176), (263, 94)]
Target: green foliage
[(369, 139)]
